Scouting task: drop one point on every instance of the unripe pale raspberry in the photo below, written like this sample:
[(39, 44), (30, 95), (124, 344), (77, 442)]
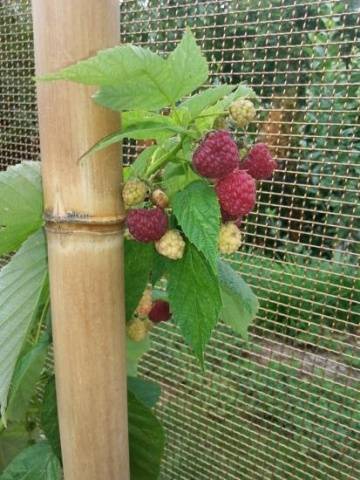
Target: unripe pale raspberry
[(160, 311), (259, 162), (136, 330), (216, 156), (134, 192), (160, 198), (242, 112), (171, 245), (236, 193), (145, 304), (229, 238), (147, 225)]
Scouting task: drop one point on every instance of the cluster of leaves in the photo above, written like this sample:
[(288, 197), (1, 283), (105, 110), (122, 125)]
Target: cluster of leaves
[(148, 84), (27, 387), (201, 287)]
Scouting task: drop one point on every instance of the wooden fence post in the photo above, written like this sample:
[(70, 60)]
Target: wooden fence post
[(84, 217)]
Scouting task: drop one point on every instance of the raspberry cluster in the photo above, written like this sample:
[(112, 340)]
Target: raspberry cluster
[(148, 313), (216, 158)]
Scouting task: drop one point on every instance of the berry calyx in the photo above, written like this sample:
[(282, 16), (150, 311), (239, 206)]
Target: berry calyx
[(145, 304), (259, 162), (160, 311), (229, 238), (242, 112), (159, 198), (147, 225), (136, 330), (134, 192), (225, 217), (217, 155), (171, 245), (236, 193)]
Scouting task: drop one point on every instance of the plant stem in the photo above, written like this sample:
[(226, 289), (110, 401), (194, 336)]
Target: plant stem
[(160, 162), (41, 321)]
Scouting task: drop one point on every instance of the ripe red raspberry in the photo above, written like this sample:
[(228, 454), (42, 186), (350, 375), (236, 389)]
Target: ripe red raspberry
[(236, 193), (259, 162), (160, 311), (217, 155), (147, 225)]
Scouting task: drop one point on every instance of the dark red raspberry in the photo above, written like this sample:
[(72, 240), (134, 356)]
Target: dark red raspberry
[(160, 311), (236, 193), (259, 162), (217, 155), (147, 225), (225, 217)]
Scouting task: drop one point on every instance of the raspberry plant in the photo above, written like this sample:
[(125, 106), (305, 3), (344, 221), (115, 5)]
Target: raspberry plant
[(185, 197)]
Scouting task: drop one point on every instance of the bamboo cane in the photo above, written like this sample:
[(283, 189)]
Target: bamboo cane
[(84, 217)]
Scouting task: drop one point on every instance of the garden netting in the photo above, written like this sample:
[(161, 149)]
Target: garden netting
[(285, 403)]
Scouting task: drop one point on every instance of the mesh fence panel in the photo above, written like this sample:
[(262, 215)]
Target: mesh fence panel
[(284, 404)]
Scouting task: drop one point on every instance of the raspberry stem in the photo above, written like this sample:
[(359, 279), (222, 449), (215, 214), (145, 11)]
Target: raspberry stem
[(160, 162)]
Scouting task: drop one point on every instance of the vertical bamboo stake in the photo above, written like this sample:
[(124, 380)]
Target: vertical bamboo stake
[(84, 229)]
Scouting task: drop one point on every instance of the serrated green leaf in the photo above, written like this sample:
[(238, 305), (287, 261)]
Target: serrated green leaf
[(21, 204), (146, 392), (188, 66), (21, 283), (138, 263), (26, 375), (141, 131), (49, 417), (240, 304), (146, 441), (197, 210), (134, 352), (34, 463), (197, 103), (133, 77), (194, 297)]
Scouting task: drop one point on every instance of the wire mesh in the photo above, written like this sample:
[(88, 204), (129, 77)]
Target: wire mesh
[(284, 404)]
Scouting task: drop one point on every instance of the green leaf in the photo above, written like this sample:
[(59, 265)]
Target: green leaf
[(146, 392), (198, 213), (132, 77), (21, 204), (26, 375), (177, 177), (188, 66), (197, 103), (49, 417), (12, 441), (134, 352), (140, 131), (34, 463), (159, 267), (21, 283), (240, 304), (146, 441), (138, 263), (141, 163), (194, 297)]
